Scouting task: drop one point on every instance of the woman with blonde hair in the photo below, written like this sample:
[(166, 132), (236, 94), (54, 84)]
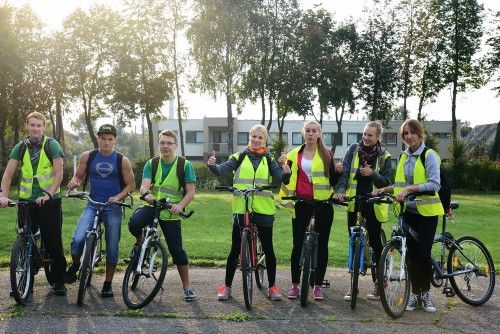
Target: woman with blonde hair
[(312, 178), (251, 171)]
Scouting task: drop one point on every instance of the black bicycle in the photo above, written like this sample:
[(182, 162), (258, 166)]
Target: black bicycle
[(309, 253), (28, 255), (148, 264), (93, 243), (469, 266)]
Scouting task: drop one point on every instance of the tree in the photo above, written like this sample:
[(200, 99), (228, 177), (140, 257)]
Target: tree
[(219, 36), (142, 78), (378, 61), (460, 24), (493, 57), (90, 38)]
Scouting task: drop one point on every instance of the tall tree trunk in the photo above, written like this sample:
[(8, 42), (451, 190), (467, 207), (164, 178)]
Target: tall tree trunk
[(263, 105), (87, 107), (177, 92), (270, 114), (455, 75), (150, 134), (59, 125)]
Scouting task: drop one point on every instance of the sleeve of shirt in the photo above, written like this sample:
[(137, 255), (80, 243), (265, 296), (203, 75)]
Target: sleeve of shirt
[(278, 174), (14, 154), (225, 168), (432, 163), (346, 165), (146, 171), (383, 179), (56, 149), (189, 173)]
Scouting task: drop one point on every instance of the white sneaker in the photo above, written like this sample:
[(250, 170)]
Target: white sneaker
[(427, 303)]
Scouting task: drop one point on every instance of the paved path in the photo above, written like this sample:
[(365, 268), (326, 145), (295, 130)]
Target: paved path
[(168, 312)]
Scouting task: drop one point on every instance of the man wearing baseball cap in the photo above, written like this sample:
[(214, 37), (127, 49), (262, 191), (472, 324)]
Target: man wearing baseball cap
[(111, 179)]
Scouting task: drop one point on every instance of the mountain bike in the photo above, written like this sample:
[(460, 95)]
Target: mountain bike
[(361, 255), (309, 254), (252, 258), (92, 250), (147, 268), (28, 255), (469, 266)]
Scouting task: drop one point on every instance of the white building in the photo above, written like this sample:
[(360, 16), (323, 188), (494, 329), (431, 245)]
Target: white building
[(202, 136)]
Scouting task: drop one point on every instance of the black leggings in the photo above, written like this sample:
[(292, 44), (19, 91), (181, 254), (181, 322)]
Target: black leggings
[(419, 262), (373, 226), (323, 220), (266, 238)]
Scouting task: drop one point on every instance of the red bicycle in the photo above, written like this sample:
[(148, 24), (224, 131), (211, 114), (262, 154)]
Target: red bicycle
[(252, 258)]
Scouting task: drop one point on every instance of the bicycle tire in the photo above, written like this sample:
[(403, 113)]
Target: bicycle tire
[(482, 278), (306, 269), (394, 287), (437, 281), (355, 272), (261, 265), (86, 268), (21, 273), (139, 289), (373, 267), (246, 269)]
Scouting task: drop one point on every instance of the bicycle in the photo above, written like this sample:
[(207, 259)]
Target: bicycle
[(28, 255), (361, 255), (140, 284), (309, 253), (92, 249), (252, 258), (468, 260)]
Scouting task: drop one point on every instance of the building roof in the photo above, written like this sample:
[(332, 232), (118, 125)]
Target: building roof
[(480, 133)]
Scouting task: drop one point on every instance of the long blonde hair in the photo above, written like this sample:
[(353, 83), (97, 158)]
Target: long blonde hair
[(324, 152)]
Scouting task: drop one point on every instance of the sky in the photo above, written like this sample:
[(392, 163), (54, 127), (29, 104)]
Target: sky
[(478, 107)]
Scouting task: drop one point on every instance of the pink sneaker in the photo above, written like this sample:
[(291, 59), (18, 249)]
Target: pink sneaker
[(274, 293), (294, 292), (318, 293), (223, 292)]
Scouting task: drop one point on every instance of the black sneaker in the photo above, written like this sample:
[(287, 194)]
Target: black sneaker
[(59, 289), (71, 275), (107, 291)]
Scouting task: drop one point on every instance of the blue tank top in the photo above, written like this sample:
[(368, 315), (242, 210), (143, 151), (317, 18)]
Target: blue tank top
[(103, 177)]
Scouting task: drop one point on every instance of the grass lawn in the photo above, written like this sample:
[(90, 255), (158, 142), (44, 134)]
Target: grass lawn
[(207, 234)]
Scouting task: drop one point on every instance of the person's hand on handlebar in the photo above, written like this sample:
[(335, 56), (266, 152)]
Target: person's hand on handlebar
[(4, 201), (340, 196), (114, 199), (405, 192), (42, 200), (176, 208), (74, 183), (149, 198)]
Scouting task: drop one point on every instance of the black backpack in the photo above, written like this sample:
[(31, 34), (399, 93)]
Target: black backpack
[(92, 155), (46, 148), (181, 162), (445, 190)]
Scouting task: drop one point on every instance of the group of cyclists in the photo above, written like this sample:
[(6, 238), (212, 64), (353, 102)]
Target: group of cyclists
[(308, 171)]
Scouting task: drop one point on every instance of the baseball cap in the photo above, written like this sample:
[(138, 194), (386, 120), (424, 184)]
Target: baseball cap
[(107, 128)]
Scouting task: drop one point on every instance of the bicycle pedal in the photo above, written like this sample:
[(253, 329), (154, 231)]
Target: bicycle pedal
[(448, 292), (325, 284)]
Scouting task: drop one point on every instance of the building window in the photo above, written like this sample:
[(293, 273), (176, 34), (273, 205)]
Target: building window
[(390, 139), (353, 138), (274, 135), (297, 138), (328, 138), (338, 139), (194, 137), (242, 138)]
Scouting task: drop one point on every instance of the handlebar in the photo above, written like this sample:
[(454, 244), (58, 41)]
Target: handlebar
[(331, 200), (165, 203), (85, 196), (245, 191)]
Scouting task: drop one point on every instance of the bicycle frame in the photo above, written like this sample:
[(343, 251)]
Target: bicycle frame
[(252, 229), (97, 231)]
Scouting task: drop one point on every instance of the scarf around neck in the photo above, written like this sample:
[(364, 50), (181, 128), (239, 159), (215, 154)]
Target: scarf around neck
[(368, 154), (259, 151)]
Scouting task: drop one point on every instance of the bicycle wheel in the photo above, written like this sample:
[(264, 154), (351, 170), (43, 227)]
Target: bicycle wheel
[(139, 288), (476, 284), (246, 269), (261, 265), (393, 280), (86, 268), (307, 261), (21, 274), (355, 272)]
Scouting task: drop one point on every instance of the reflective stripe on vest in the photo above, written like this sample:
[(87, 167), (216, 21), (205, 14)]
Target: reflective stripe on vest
[(44, 175), (246, 177), (381, 210), (167, 188), (432, 205), (321, 184)]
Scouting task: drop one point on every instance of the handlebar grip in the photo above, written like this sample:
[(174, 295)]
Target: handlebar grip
[(186, 215), (143, 195)]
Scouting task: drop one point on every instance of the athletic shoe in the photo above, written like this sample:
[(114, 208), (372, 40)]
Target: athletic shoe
[(71, 275), (294, 292), (413, 302), (59, 289), (274, 293), (375, 294), (189, 295), (427, 302), (107, 290), (223, 292), (318, 293), (347, 297)]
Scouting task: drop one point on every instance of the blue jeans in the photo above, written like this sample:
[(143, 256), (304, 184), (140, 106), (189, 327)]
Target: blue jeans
[(112, 218)]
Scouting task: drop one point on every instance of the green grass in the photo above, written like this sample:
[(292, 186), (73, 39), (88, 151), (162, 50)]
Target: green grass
[(207, 234)]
